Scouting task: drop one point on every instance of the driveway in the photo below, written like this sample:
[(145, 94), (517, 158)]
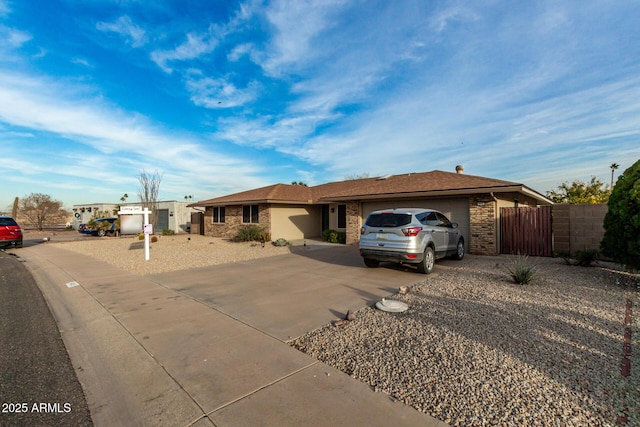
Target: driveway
[(205, 346), (286, 296)]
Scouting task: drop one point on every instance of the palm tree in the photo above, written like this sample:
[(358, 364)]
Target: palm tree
[(613, 167), (124, 197)]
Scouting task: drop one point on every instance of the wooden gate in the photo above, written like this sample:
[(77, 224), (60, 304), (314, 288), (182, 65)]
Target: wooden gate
[(526, 231)]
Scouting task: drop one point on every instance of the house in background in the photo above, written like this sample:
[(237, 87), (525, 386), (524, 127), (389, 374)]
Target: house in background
[(172, 215), (296, 212)]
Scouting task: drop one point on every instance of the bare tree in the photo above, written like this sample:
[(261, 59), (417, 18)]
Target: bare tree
[(354, 176), (14, 210), (148, 193), (40, 210)]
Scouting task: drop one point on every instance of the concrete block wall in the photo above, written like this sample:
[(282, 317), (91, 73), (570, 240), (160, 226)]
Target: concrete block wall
[(578, 227)]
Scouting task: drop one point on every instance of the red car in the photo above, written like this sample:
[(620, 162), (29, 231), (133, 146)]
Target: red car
[(10, 232)]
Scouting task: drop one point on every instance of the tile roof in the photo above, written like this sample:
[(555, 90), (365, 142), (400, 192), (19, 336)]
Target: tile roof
[(411, 184)]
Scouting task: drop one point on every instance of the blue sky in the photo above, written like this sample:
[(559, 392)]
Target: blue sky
[(224, 96)]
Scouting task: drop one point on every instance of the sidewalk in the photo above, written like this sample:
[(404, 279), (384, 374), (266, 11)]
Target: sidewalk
[(146, 354)]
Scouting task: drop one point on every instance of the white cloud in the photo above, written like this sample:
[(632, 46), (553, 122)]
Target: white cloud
[(13, 38), (4, 8), (116, 139), (195, 46), (124, 26), (81, 61), (218, 93)]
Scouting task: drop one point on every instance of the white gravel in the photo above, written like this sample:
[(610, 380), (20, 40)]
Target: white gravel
[(475, 349), (169, 253)]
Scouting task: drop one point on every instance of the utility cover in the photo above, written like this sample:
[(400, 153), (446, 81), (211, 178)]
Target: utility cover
[(392, 306)]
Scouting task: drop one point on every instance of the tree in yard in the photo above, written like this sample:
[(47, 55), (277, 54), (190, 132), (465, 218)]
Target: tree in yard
[(148, 193), (621, 239), (613, 167), (353, 176), (40, 210), (14, 210), (594, 191)]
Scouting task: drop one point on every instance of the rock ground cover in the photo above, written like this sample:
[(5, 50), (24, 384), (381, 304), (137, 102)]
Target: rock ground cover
[(475, 349), (169, 253)]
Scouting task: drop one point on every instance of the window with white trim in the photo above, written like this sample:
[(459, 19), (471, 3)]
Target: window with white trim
[(218, 214), (250, 214)]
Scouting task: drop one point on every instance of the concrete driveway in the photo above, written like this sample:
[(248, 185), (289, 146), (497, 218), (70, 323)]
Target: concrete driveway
[(205, 347), (286, 296)]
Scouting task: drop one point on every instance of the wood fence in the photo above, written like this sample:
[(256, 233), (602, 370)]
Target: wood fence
[(527, 231)]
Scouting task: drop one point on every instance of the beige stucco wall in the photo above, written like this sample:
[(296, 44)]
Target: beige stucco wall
[(295, 222)]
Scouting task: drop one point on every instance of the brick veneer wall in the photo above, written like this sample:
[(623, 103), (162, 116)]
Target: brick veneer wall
[(482, 225), (354, 222), (578, 227), (233, 221)]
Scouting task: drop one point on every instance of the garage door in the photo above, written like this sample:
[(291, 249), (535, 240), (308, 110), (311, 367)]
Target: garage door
[(456, 209)]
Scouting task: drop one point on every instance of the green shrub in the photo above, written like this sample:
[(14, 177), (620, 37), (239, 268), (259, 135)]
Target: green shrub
[(586, 257), (280, 242), (334, 236), (622, 221), (521, 271), (250, 233), (167, 232)]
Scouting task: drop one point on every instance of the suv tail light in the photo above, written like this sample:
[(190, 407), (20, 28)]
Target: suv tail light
[(411, 231), (361, 230)]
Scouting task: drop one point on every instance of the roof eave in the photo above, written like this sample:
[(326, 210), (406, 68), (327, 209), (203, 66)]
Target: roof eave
[(253, 202), (441, 193)]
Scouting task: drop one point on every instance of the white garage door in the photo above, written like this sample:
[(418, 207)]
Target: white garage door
[(456, 209)]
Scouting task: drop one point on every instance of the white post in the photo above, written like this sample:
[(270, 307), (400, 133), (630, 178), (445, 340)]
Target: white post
[(146, 235)]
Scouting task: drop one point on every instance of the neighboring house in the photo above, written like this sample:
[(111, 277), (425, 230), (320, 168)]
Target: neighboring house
[(297, 212), (172, 215)]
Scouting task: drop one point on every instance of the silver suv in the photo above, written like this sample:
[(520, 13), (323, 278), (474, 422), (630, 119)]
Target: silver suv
[(409, 236)]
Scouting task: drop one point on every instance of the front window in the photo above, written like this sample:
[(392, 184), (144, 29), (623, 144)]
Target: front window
[(250, 214), (218, 214)]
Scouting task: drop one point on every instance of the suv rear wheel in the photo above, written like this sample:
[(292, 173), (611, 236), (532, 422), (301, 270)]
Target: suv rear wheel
[(429, 259), (372, 263)]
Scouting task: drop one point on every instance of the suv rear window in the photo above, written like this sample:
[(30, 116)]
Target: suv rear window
[(388, 219), (4, 222)]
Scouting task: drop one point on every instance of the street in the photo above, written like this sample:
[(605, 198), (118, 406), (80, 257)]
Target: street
[(38, 385)]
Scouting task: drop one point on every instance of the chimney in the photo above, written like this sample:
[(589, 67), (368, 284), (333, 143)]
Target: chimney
[(460, 169)]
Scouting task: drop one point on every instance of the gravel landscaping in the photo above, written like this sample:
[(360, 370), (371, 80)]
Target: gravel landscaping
[(475, 349), (169, 253)]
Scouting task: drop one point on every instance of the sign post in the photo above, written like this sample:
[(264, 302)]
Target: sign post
[(147, 228)]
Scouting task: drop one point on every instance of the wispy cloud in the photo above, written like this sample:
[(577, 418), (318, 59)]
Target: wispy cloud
[(218, 93), (81, 61), (124, 26), (64, 111), (4, 8), (13, 38)]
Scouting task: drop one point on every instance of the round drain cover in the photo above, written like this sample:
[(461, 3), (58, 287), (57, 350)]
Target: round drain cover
[(392, 306)]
